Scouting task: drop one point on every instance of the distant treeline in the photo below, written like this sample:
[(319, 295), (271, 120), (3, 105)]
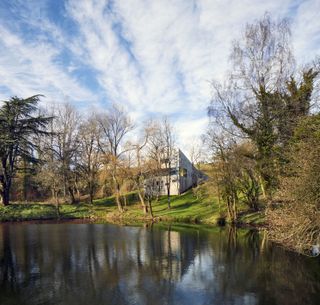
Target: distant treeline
[(60, 156)]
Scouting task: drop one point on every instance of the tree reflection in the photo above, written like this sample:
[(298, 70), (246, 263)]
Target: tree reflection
[(94, 264), (7, 264)]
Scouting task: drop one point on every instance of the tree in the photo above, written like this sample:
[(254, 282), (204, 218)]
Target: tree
[(65, 147), (196, 154), (89, 157), (295, 220), (49, 174), (141, 168), (115, 125), (168, 154), (262, 100), (234, 172), (225, 171), (162, 152), (19, 124), (295, 103)]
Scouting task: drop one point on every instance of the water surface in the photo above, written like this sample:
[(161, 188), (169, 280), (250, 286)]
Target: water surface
[(93, 264)]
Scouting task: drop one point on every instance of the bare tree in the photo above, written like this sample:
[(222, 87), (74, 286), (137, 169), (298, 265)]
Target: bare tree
[(49, 173), (224, 169), (257, 96), (196, 154), (162, 152), (89, 159), (115, 125), (141, 169), (61, 150), (169, 153)]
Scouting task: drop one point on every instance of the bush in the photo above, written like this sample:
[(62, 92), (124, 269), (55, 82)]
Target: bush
[(296, 222)]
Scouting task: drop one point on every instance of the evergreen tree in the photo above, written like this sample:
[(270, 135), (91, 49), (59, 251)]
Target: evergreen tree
[(19, 125)]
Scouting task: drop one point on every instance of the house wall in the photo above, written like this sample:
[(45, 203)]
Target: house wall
[(184, 177), (174, 186), (188, 173)]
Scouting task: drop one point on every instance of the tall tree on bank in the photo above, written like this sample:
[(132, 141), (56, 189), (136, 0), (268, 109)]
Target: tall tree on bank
[(261, 99), (64, 147), (89, 159), (169, 154), (19, 124), (115, 125), (141, 168), (162, 152)]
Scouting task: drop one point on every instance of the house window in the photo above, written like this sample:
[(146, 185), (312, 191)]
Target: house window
[(183, 172)]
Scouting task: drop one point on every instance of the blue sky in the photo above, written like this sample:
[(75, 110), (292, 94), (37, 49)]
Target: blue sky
[(153, 57)]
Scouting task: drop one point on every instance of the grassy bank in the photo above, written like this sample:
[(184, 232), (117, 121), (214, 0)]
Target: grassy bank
[(186, 208)]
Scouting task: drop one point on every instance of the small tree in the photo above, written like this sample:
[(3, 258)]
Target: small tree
[(19, 124)]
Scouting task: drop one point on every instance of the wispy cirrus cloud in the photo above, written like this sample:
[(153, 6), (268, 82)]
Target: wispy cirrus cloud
[(153, 57)]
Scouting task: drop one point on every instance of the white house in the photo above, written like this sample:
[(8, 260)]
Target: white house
[(182, 176)]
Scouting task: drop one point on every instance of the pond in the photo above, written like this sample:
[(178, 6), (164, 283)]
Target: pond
[(93, 264)]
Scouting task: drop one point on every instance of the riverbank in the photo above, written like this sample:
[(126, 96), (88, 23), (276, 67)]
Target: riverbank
[(186, 208)]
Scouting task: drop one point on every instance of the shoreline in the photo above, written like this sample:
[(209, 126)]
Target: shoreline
[(186, 208), (125, 220)]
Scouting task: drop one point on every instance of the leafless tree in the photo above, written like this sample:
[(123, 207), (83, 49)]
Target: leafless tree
[(50, 174), (196, 154), (169, 153), (248, 104), (61, 150), (141, 168), (89, 159), (115, 125), (162, 151), (67, 145)]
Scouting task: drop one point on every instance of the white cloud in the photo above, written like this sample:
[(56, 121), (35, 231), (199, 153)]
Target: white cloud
[(153, 57), (30, 68), (306, 31), (189, 129)]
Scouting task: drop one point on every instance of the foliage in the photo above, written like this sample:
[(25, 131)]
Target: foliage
[(265, 103), (296, 222), (262, 99), (19, 126)]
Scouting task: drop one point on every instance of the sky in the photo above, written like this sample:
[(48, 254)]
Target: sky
[(154, 57)]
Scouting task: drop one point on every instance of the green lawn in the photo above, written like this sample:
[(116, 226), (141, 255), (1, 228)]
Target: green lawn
[(186, 208)]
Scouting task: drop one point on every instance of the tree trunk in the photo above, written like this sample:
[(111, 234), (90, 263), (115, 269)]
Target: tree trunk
[(143, 204), (73, 200), (124, 200), (117, 194), (168, 194), (5, 194), (91, 196), (57, 207), (150, 208), (5, 197), (234, 207), (117, 191), (262, 188), (119, 202)]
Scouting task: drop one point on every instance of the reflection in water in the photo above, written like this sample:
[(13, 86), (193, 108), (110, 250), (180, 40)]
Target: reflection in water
[(107, 264)]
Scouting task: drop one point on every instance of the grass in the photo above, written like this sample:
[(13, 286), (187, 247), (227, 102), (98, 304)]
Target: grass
[(185, 208)]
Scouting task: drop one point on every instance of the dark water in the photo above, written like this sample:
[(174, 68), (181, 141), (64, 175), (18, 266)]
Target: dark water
[(106, 264)]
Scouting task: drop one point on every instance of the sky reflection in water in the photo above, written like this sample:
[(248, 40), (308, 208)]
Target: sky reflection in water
[(108, 264)]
